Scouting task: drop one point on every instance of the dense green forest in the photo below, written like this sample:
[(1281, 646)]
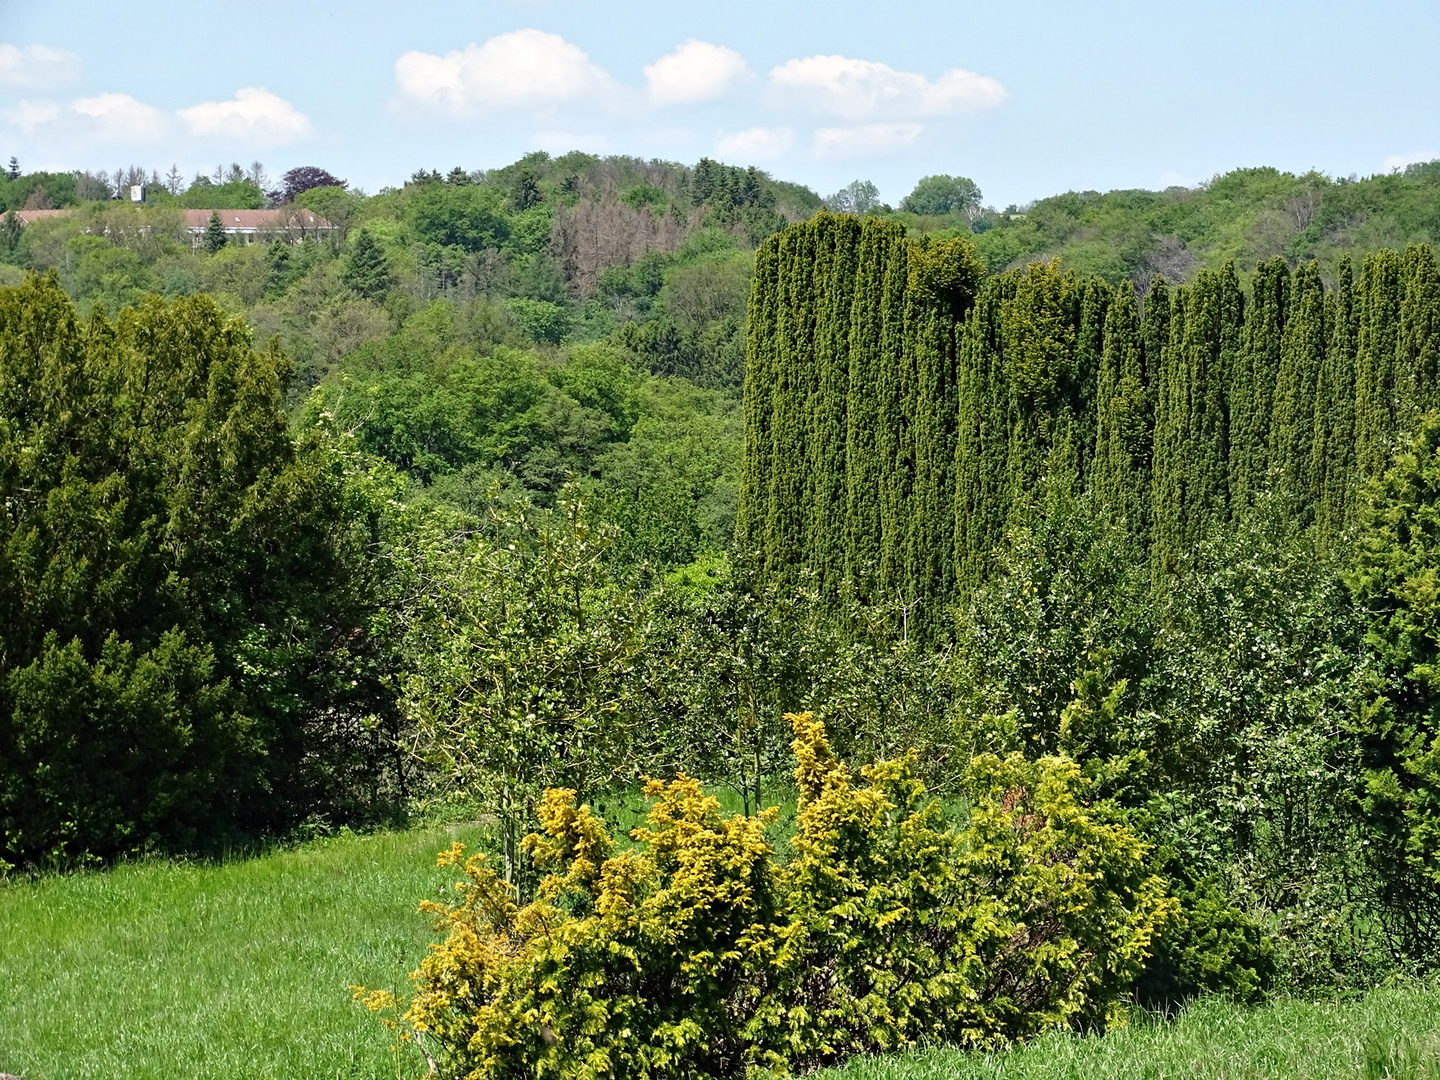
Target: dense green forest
[(1086, 604)]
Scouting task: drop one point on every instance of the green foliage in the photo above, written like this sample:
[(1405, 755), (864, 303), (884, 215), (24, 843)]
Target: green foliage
[(367, 271), (938, 195), (697, 953), (471, 217), (1396, 569), (187, 649), (232, 195), (215, 237)]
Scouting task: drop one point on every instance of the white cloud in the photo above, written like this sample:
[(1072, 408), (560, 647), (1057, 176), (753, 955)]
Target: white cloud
[(522, 69), (120, 118), (1399, 161), (29, 115), (697, 71), (37, 66), (755, 144), (865, 140), (253, 115), (865, 89)]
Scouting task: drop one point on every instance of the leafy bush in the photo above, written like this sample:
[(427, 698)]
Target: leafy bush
[(697, 953)]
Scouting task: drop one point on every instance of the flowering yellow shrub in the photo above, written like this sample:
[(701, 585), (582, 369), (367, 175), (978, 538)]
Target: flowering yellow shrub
[(697, 953)]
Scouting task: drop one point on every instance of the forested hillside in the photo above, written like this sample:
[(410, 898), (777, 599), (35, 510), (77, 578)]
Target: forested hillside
[(1077, 616)]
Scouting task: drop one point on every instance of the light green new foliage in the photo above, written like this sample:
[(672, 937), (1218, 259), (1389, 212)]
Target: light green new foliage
[(697, 953)]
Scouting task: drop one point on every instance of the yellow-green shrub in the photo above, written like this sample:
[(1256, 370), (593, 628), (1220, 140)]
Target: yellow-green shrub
[(697, 953)]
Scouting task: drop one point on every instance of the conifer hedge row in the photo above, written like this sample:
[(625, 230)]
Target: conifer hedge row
[(902, 409)]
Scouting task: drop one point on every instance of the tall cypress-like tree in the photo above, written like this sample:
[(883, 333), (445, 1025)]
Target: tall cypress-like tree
[(1252, 381), (753, 503), (1169, 481), (894, 441), (981, 432), (1302, 355), (862, 415), (1333, 447), (836, 241), (794, 377), (1419, 341), (944, 278), (1375, 377), (1120, 477)]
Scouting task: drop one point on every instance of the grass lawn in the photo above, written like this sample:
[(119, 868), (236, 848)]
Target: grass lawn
[(242, 971), (238, 971), (1393, 1034)]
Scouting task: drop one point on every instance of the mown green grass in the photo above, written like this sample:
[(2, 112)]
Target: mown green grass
[(242, 970), (1391, 1034), (238, 971)]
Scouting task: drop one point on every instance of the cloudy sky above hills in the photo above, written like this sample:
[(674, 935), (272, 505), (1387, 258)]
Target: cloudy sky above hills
[(1026, 100)]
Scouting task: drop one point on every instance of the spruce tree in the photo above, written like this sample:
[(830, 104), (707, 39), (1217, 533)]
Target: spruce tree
[(1169, 480), (214, 237), (981, 433), (895, 439), (367, 271)]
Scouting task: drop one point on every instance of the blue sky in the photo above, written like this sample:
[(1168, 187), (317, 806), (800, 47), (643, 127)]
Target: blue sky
[(1028, 100)]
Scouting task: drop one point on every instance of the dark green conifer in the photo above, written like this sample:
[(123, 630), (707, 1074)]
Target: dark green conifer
[(1376, 403), (837, 239), (367, 271), (1120, 477), (1333, 448), (753, 504), (214, 237), (1252, 382), (1302, 354)]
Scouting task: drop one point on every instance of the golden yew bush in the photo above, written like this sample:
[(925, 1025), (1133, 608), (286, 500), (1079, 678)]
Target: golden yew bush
[(698, 953)]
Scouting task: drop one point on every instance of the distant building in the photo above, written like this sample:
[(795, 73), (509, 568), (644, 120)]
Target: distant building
[(292, 223)]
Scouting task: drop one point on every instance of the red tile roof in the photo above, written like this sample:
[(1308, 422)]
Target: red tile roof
[(284, 217)]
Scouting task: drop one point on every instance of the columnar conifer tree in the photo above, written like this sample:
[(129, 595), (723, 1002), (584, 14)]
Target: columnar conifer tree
[(904, 416), (753, 508), (1292, 430), (1252, 382), (836, 242), (1376, 404), (1120, 476), (1333, 448)]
